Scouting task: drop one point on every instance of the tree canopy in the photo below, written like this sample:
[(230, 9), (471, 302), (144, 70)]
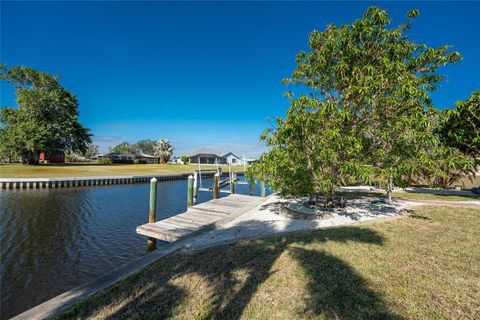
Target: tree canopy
[(364, 110), (46, 119), (125, 147), (146, 146), (161, 148), (461, 125)]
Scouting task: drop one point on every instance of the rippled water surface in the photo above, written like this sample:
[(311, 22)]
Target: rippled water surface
[(53, 240)]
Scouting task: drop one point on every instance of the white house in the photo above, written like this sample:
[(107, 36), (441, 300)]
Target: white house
[(248, 161), (232, 159), (176, 160), (235, 160)]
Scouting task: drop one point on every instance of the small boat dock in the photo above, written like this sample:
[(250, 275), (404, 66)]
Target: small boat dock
[(200, 218)]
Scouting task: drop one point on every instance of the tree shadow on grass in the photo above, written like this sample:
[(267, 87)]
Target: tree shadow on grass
[(340, 276), (138, 297), (230, 276), (336, 290)]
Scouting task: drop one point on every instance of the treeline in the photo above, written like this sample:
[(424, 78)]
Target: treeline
[(47, 120), (161, 148)]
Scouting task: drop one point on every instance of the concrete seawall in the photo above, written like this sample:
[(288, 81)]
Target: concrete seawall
[(41, 183)]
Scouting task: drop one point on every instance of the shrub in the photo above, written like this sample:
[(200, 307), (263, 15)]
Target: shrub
[(139, 161), (105, 161), (123, 161)]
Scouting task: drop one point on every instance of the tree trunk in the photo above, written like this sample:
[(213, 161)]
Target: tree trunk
[(389, 190)]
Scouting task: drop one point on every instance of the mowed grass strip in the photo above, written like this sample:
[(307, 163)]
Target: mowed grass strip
[(93, 169), (415, 196), (422, 267)]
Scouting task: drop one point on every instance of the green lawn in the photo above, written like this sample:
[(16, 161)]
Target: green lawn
[(412, 196), (93, 169), (422, 267), (428, 196)]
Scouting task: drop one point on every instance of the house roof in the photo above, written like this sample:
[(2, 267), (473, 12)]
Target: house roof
[(205, 151), (230, 153), (148, 156), (120, 154), (212, 155)]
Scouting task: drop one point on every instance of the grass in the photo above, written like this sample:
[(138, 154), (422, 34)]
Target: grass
[(412, 196), (421, 267), (433, 197), (93, 169)]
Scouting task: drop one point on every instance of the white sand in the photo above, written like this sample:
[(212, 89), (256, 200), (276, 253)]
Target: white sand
[(266, 220)]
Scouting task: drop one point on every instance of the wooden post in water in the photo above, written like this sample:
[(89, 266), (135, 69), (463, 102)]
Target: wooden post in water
[(153, 200), (216, 191), (234, 182), (190, 191), (251, 183), (151, 244), (195, 177), (262, 188)]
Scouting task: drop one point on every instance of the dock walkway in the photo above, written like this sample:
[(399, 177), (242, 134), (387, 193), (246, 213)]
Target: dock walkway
[(200, 218)]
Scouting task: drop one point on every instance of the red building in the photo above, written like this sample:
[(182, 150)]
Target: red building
[(52, 157)]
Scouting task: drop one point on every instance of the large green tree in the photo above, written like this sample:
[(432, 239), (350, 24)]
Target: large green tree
[(125, 147), (46, 119), (146, 146), (364, 109)]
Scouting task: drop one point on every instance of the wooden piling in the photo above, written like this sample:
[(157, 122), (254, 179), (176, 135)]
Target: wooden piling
[(190, 191), (153, 200), (233, 183), (195, 177), (151, 244), (216, 188)]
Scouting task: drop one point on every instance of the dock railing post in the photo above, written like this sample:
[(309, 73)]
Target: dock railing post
[(216, 188), (262, 188), (195, 177), (190, 191), (251, 183), (153, 200)]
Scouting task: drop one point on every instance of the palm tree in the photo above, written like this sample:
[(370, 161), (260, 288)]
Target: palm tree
[(163, 149)]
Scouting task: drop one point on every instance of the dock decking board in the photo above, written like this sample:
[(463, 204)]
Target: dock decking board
[(200, 217)]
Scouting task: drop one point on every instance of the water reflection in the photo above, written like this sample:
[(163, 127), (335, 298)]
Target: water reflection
[(151, 244), (53, 240)]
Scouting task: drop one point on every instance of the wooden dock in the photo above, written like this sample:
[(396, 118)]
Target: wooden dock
[(200, 218)]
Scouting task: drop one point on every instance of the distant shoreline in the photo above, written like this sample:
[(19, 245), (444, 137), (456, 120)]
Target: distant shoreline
[(94, 170)]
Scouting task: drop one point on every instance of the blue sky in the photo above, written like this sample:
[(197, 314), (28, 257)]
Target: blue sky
[(201, 74)]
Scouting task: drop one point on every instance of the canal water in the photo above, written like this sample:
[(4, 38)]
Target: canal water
[(53, 240)]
